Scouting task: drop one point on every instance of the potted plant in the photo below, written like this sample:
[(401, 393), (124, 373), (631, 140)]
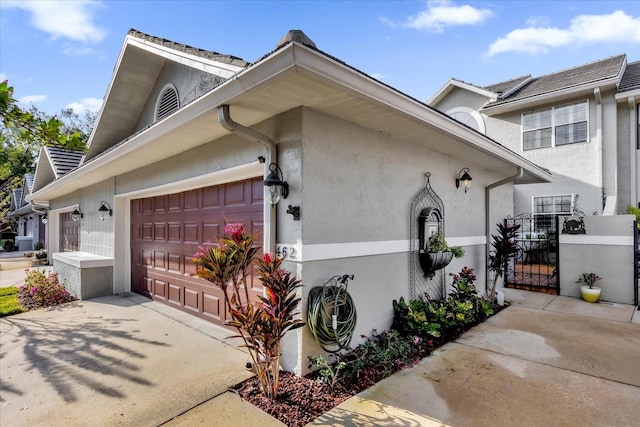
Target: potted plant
[(438, 254), (589, 292), (504, 246)]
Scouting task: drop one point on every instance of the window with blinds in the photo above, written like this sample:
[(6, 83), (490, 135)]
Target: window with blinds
[(550, 127), (167, 103)]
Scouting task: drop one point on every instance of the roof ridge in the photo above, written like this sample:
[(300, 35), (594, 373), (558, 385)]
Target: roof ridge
[(586, 64), (524, 76), (205, 53)]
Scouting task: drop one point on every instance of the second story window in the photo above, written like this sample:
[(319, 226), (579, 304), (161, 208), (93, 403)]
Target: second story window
[(550, 127)]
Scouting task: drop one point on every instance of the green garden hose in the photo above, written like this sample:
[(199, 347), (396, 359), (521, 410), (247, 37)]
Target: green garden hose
[(331, 314)]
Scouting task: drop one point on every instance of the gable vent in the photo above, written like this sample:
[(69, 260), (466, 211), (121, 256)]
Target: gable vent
[(168, 102)]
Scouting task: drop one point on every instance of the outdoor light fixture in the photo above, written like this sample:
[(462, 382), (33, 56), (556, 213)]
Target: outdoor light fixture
[(277, 186), (464, 178), (104, 210), (44, 219), (76, 214)]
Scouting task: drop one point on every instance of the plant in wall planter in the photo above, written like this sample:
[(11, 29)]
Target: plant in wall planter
[(589, 292), (437, 255)]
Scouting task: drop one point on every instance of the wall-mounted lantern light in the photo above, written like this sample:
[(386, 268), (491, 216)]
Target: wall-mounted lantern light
[(104, 210), (76, 214), (44, 219), (464, 178), (276, 185)]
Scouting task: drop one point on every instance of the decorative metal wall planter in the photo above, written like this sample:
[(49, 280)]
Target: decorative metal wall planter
[(426, 270), (430, 262)]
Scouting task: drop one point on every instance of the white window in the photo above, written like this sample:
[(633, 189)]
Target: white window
[(167, 102), (546, 208), (549, 127), (469, 117)]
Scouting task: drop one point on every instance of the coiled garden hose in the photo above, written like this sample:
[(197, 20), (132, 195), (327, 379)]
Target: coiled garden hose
[(331, 314)]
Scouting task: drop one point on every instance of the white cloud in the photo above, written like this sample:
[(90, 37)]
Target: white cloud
[(379, 76), (32, 99), (583, 29), (71, 50), (440, 14), (538, 21), (86, 104), (63, 19)]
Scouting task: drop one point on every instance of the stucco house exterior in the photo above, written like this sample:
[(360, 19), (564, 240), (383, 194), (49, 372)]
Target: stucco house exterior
[(581, 123), (28, 225), (186, 137)]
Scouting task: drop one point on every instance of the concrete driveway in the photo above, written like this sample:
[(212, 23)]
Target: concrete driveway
[(111, 361)]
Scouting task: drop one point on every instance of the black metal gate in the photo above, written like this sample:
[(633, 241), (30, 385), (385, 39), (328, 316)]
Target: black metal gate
[(536, 265), (636, 264)]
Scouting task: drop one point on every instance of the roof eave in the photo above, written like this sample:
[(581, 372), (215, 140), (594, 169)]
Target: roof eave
[(293, 58), (544, 98), (453, 83)]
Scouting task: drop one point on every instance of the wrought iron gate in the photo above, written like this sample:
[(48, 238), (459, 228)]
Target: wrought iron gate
[(536, 265), (636, 264)]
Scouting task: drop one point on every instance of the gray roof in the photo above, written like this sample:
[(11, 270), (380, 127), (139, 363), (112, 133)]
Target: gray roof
[(573, 77), (631, 78), (28, 181), (17, 198), (228, 59), (505, 86), (63, 161)]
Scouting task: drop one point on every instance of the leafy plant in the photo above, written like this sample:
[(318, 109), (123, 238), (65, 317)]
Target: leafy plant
[(437, 243), (40, 290), (588, 279), (330, 373), (504, 246), (38, 246), (261, 325), (634, 211)]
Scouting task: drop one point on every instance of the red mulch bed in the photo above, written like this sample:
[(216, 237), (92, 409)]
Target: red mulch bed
[(303, 399)]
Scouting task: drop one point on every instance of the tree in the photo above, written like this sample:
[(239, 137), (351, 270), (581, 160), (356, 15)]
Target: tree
[(23, 132)]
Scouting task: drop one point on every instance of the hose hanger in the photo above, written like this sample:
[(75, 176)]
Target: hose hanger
[(331, 314)]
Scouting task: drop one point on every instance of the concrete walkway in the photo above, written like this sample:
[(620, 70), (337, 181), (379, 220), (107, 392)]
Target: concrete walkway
[(126, 360), (12, 266), (545, 361)]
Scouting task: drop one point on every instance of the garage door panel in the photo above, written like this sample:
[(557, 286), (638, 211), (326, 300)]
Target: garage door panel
[(166, 233), (211, 197), (212, 307), (175, 294), (174, 202), (191, 200), (192, 300)]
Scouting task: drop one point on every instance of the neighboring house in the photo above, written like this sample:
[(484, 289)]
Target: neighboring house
[(582, 124), (185, 138), (28, 225)]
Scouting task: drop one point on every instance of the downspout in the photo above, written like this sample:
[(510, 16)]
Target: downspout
[(633, 167), (487, 207), (227, 122), (599, 166)]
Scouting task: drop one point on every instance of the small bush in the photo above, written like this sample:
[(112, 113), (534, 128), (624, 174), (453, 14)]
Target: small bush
[(40, 290), (445, 317)]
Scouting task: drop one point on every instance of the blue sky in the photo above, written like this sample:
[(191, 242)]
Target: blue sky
[(58, 54)]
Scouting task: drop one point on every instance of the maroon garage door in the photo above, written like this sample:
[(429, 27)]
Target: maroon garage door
[(166, 231)]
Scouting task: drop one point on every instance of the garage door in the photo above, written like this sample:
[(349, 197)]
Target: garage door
[(167, 230), (69, 233)]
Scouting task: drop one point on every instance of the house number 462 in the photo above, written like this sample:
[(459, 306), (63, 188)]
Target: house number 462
[(287, 251)]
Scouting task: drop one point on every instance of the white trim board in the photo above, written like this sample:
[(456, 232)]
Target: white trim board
[(327, 251), (584, 239)]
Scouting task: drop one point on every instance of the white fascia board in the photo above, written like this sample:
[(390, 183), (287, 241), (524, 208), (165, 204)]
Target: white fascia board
[(371, 89), (241, 83), (203, 64), (525, 103), (448, 87), (624, 96)]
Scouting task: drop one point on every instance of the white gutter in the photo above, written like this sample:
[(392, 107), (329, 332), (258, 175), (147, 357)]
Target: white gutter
[(599, 166), (633, 137), (269, 211), (487, 207)]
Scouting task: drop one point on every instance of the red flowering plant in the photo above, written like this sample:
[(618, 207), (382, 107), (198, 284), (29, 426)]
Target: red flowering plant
[(262, 324)]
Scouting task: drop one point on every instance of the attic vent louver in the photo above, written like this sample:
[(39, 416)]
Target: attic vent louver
[(168, 102)]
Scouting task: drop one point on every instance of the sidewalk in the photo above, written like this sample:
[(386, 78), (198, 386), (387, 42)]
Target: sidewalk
[(12, 266)]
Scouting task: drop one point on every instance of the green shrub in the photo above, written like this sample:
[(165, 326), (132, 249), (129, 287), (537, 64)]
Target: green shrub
[(40, 290), (448, 317)]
